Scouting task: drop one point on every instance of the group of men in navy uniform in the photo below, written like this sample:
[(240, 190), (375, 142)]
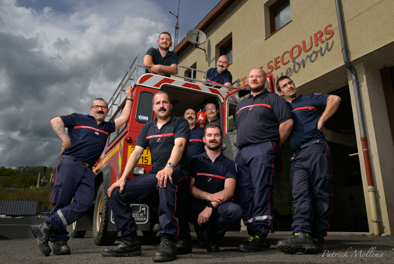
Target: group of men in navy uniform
[(188, 160)]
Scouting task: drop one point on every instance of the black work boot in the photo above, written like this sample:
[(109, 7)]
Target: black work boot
[(254, 244), (201, 239), (167, 249), (43, 232), (130, 247), (299, 242), (213, 246), (60, 247), (318, 243), (183, 246)]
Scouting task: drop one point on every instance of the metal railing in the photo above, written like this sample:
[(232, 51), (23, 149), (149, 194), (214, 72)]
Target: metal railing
[(135, 71)]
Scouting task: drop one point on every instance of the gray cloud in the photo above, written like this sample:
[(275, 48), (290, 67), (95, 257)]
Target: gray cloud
[(55, 60), (57, 69)]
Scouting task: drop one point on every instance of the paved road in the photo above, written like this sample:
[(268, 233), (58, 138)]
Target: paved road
[(17, 245)]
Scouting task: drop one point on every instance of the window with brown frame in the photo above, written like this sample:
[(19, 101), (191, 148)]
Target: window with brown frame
[(280, 14), (227, 49)]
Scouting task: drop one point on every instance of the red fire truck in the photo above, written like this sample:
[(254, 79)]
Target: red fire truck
[(185, 93)]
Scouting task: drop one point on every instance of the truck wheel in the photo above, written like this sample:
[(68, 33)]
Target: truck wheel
[(101, 217), (74, 233)]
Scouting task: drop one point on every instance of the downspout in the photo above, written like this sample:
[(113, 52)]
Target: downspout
[(371, 188)]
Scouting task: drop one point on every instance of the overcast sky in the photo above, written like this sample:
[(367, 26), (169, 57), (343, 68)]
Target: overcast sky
[(58, 55)]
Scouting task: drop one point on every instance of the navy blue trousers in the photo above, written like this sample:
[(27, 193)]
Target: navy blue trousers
[(145, 187), (256, 168), (221, 220), (73, 180), (311, 180)]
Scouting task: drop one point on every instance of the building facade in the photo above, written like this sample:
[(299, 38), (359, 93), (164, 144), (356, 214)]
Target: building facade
[(301, 39)]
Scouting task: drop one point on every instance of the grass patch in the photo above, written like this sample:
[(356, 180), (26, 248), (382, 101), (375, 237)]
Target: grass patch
[(41, 194)]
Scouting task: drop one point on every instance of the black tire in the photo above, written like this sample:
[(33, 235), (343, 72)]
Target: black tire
[(76, 234), (149, 233), (101, 217)]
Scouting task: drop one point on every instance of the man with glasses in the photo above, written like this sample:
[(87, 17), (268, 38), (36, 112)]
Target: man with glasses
[(310, 169), (82, 145), (212, 113), (220, 74), (162, 60)]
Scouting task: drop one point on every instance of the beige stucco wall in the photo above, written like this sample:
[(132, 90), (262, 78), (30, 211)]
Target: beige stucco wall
[(380, 143), (368, 23), (370, 38)]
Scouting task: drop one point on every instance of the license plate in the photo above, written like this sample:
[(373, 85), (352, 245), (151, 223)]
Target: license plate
[(145, 158)]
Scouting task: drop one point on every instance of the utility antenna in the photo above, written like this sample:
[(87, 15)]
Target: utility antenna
[(176, 26)]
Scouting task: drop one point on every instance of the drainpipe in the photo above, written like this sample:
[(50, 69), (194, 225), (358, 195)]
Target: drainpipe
[(371, 188)]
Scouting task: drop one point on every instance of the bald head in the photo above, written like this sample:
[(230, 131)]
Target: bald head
[(257, 80)]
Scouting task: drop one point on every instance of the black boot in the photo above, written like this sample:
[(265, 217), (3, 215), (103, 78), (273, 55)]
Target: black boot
[(43, 232), (318, 243), (60, 247), (201, 239), (212, 246), (254, 244), (167, 249), (183, 246), (130, 247), (299, 242)]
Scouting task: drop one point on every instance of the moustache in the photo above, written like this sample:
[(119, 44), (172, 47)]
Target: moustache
[(100, 112), (162, 109), (221, 66), (190, 118), (256, 82), (213, 141)]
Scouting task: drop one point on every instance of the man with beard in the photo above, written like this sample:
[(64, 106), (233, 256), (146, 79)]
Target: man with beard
[(166, 136), (263, 123), (196, 144), (212, 187), (82, 146), (212, 112), (162, 60), (310, 171), (220, 74)]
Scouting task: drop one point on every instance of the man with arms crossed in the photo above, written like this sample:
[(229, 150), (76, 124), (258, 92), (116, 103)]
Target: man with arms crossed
[(82, 146), (263, 123), (166, 136), (310, 171), (212, 187), (162, 60)]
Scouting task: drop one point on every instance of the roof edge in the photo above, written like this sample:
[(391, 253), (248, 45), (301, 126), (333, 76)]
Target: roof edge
[(207, 20)]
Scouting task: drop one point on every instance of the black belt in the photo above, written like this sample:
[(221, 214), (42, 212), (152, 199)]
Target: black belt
[(311, 142), (77, 160)]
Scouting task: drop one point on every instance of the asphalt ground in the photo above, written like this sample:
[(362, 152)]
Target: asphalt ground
[(17, 245)]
